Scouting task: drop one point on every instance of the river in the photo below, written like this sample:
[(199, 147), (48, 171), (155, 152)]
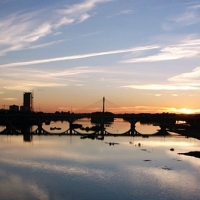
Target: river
[(70, 168)]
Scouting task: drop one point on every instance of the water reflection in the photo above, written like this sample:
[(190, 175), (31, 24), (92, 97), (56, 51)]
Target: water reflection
[(2, 128), (118, 126), (56, 127), (146, 129), (66, 167)]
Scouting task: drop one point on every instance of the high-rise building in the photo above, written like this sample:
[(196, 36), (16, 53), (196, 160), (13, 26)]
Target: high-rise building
[(28, 101)]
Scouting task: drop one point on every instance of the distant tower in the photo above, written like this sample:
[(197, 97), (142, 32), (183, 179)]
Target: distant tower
[(103, 104), (28, 101)]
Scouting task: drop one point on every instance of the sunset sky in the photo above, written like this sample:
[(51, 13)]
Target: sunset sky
[(143, 56)]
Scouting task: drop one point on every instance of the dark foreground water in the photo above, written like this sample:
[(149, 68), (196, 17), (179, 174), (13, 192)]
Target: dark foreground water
[(62, 168)]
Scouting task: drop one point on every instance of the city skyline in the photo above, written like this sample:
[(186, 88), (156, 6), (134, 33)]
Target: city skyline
[(142, 56)]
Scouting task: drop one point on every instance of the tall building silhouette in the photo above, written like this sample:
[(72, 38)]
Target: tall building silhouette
[(28, 101)]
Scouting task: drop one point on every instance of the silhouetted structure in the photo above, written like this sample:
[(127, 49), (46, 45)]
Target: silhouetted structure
[(103, 104), (14, 108), (27, 102)]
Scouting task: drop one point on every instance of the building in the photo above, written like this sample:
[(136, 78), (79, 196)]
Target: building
[(14, 108), (27, 101)]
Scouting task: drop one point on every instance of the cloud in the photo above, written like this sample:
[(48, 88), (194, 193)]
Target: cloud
[(189, 17), (27, 85), (56, 73), (126, 12), (45, 44), (17, 31), (195, 7), (186, 19), (84, 17), (77, 13), (10, 99), (181, 82), (188, 48), (20, 30), (69, 72), (192, 77), (123, 12), (161, 87), (42, 78), (64, 21), (81, 56), (80, 8)]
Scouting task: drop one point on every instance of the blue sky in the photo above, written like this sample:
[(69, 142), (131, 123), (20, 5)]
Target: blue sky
[(141, 55)]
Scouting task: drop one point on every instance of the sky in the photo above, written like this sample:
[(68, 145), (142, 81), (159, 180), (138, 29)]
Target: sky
[(142, 56)]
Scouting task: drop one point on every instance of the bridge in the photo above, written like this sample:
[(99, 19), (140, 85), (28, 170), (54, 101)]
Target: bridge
[(20, 122)]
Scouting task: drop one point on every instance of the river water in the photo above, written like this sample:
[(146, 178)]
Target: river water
[(70, 168)]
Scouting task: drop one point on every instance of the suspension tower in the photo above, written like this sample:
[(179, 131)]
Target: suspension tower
[(103, 104)]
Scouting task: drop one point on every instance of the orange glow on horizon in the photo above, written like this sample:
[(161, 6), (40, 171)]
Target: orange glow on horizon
[(184, 110), (135, 109)]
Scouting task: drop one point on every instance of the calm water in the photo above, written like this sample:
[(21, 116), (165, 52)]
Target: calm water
[(66, 167)]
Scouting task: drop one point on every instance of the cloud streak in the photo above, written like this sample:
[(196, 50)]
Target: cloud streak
[(81, 56), (161, 87), (11, 79), (10, 99)]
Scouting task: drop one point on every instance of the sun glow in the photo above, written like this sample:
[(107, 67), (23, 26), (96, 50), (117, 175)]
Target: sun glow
[(185, 110)]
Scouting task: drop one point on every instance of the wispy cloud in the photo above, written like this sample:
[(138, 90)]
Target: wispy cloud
[(188, 48), (28, 85), (33, 78), (45, 44), (189, 17), (197, 6), (182, 82), (161, 87), (192, 77), (10, 99), (81, 8), (123, 12), (33, 62), (17, 31), (20, 30)]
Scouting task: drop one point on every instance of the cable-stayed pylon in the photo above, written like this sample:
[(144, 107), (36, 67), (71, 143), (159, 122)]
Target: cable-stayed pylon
[(102, 105)]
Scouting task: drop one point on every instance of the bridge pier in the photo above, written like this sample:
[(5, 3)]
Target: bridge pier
[(70, 128), (40, 128), (132, 130), (26, 131), (102, 127), (132, 121), (71, 120)]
